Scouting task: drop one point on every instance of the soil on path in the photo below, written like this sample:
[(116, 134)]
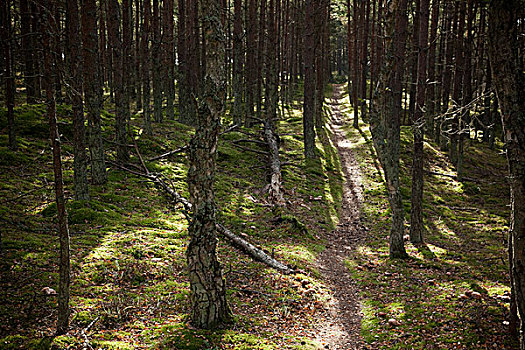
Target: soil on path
[(342, 329)]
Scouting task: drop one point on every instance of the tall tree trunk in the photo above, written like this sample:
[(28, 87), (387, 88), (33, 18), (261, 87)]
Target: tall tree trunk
[(509, 81), (27, 50), (272, 78), (93, 90), (80, 160), (122, 111), (251, 69), (238, 63), (418, 120), (9, 72), (209, 307), (385, 123), (431, 91), (309, 81), (169, 58), (457, 95), (447, 70), (155, 63), (263, 63), (413, 59), (365, 22), (50, 70), (145, 55), (355, 65)]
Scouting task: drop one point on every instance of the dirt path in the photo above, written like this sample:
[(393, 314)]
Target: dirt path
[(342, 329)]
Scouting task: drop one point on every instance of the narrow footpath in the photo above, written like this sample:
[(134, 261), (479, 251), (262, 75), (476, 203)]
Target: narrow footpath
[(342, 329)]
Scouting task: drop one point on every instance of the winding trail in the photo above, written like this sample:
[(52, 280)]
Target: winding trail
[(342, 329)]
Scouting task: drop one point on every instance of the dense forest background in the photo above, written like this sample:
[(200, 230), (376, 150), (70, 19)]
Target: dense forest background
[(262, 174)]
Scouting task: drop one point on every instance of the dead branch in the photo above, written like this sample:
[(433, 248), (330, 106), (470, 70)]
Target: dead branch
[(243, 245), (170, 153)]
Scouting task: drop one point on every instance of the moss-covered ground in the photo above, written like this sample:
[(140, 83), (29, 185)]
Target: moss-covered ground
[(453, 291), (129, 284)]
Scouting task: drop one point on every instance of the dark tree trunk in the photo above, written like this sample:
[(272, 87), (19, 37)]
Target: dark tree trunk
[(80, 161), (155, 63), (9, 74), (385, 123), (272, 78), (127, 62), (27, 50), (509, 81), (145, 56), (50, 70), (263, 64), (431, 91), (418, 120), (209, 307), (447, 72), (238, 63), (309, 81), (355, 66), (413, 59), (251, 52), (93, 90), (457, 95), (121, 115), (169, 58), (365, 22)]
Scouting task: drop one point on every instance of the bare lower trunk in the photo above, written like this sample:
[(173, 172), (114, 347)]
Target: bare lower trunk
[(209, 307), (509, 81)]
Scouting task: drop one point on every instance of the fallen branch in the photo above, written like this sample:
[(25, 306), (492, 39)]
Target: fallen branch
[(243, 245), (170, 153)]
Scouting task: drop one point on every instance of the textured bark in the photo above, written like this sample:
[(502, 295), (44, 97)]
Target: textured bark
[(155, 64), (169, 58), (447, 72), (9, 76), (457, 96), (93, 90), (251, 52), (309, 81), (320, 54), (509, 81), (146, 62), (365, 23), (413, 59), (209, 307), (355, 65), (80, 160), (49, 77), (238, 63), (385, 122), (272, 74), (431, 73), (263, 64), (416, 218), (27, 50), (121, 115), (127, 61)]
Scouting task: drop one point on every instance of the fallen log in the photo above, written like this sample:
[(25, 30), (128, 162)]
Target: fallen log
[(238, 242)]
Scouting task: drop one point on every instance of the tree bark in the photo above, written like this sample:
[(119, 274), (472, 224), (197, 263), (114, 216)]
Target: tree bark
[(309, 81), (209, 307), (146, 60), (238, 63), (50, 69), (418, 120), (9, 73), (385, 123), (509, 81), (80, 160), (156, 65), (93, 90)]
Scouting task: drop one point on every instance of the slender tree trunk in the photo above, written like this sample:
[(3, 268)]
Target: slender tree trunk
[(413, 59), (355, 66), (93, 90), (263, 63), (9, 76), (121, 114), (272, 78), (251, 47), (385, 123), (365, 22), (416, 218), (80, 160), (127, 63), (209, 307), (155, 63), (309, 81), (238, 63), (170, 59), (431, 91), (50, 70), (509, 81), (458, 81), (27, 50), (145, 55)]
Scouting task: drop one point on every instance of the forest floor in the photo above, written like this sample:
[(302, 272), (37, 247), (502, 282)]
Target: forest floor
[(129, 285)]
